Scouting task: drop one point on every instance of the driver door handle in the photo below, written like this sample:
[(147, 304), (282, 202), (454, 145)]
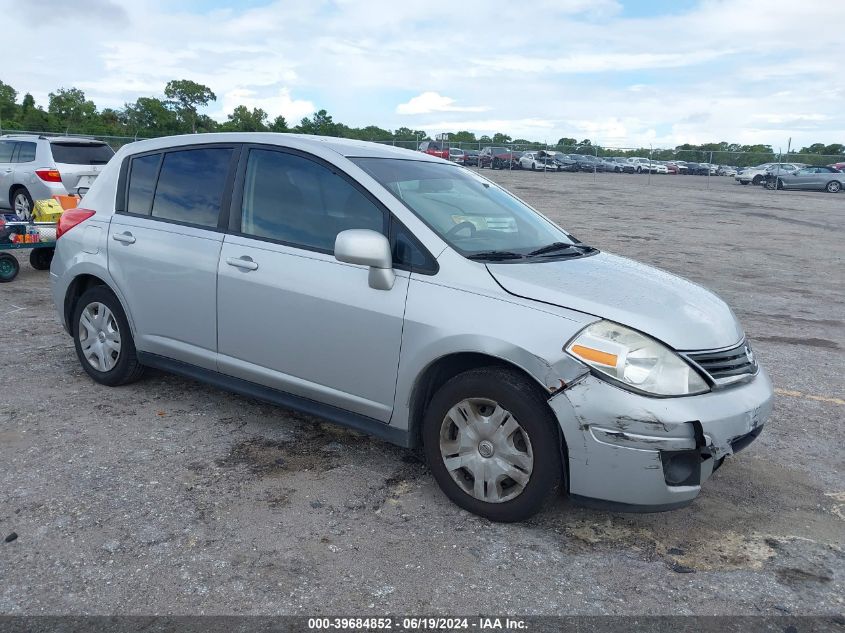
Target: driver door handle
[(124, 238), (244, 263)]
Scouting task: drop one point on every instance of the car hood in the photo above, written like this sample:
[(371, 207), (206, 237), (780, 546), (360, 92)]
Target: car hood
[(674, 310)]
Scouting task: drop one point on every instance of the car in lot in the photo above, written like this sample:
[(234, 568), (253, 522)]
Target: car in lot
[(726, 170), (38, 167), (538, 160), (498, 158), (620, 165), (471, 157), (435, 148), (457, 155), (588, 162), (809, 178), (756, 175), (644, 166), (564, 162), (407, 297), (838, 166)]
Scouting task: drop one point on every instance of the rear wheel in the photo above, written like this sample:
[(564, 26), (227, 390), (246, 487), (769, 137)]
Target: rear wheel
[(756, 180), (834, 186), (102, 339), (40, 258), (22, 204), (9, 267), (492, 444)]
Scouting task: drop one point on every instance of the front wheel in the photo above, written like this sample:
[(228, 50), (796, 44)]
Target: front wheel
[(834, 186), (102, 339), (492, 444)]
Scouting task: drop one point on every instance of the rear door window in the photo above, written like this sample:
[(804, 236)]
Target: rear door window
[(6, 149), (81, 153), (191, 185)]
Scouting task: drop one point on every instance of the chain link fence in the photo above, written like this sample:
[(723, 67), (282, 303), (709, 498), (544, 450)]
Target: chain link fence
[(710, 167)]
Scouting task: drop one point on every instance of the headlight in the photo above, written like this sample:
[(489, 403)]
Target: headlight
[(635, 360)]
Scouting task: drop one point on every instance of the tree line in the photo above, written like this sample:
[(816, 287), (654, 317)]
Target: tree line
[(177, 112)]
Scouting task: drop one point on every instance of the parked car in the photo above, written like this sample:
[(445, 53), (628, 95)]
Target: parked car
[(540, 159), (498, 158), (838, 166), (644, 166), (435, 148), (38, 168), (588, 162), (457, 155), (811, 178), (564, 163), (697, 169), (620, 165), (682, 166), (726, 170), (756, 175), (471, 157), (624, 386)]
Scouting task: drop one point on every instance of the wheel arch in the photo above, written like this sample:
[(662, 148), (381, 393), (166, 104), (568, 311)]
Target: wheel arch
[(441, 370), (81, 284)]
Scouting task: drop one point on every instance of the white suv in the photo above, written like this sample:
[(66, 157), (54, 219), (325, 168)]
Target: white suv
[(37, 168)]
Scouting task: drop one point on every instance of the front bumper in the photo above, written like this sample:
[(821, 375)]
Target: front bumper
[(645, 454)]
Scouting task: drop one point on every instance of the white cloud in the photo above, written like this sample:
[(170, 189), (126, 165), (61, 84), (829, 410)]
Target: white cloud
[(428, 102), (733, 70), (279, 104)]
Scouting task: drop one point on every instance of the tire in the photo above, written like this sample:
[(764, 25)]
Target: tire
[(40, 258), (21, 203), (115, 368), (9, 267), (527, 440), (533, 166), (639, 170), (834, 186), (769, 184), (756, 180), (743, 182)]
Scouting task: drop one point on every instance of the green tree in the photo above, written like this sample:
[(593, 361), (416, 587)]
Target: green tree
[(242, 120), (501, 139), (279, 124), (187, 96), (69, 108), (463, 137), (8, 103), (566, 142), (320, 123), (149, 116), (31, 117)]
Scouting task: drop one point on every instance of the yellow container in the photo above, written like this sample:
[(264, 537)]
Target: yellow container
[(47, 211)]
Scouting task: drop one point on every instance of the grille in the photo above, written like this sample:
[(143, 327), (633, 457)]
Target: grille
[(727, 366)]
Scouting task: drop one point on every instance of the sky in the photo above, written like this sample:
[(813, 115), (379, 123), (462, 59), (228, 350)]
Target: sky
[(623, 73)]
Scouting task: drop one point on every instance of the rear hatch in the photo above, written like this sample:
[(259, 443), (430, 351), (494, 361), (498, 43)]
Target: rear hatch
[(80, 161)]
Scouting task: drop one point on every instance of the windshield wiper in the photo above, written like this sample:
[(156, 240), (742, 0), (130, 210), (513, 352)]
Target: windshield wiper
[(559, 246), (495, 255)]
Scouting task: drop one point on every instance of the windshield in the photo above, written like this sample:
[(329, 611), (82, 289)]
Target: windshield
[(473, 215), (81, 153)]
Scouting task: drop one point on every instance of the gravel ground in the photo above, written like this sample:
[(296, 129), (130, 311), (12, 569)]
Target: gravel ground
[(170, 497)]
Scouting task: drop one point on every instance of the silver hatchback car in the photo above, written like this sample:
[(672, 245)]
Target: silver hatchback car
[(39, 167), (408, 297)]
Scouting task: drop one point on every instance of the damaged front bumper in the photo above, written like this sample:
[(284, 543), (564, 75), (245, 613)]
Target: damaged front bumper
[(635, 453)]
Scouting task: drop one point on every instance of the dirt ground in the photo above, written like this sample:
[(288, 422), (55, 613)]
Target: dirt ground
[(170, 497)]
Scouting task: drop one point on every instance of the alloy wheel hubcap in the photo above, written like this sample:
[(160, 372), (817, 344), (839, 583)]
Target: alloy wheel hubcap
[(485, 450), (22, 209), (99, 336)]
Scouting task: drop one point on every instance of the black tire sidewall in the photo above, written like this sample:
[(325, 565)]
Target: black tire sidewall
[(25, 192), (16, 267), (518, 395), (41, 258), (127, 359)]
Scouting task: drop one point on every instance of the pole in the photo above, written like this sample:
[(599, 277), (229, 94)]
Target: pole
[(709, 169), (650, 158)]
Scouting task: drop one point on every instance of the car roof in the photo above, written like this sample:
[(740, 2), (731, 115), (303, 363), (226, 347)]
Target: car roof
[(343, 146), (52, 139)]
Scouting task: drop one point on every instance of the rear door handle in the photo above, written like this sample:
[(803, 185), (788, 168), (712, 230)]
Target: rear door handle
[(244, 263), (124, 238)]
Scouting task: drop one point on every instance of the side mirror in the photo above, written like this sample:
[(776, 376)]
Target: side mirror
[(367, 248)]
